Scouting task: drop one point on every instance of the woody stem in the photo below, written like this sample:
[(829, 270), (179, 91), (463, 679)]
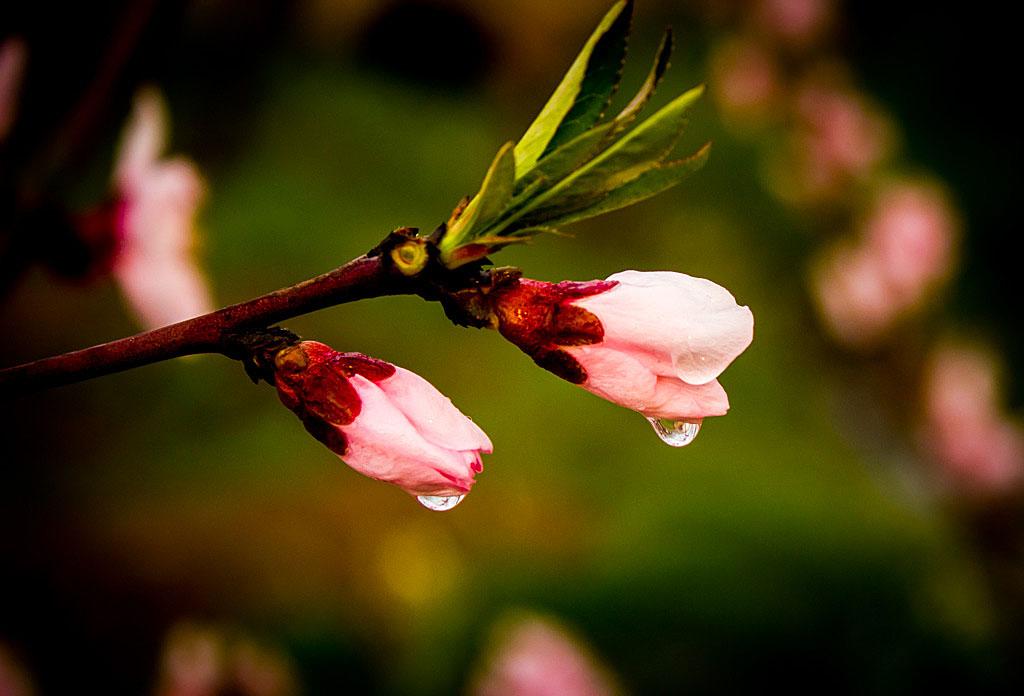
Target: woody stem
[(371, 275)]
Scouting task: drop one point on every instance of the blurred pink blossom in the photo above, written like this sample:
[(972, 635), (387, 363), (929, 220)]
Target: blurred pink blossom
[(744, 83), (853, 296), (913, 230), (903, 251), (199, 660), (537, 657), (842, 132), (838, 138), (260, 670), (383, 421), (797, 23), (964, 427), (193, 663), (158, 200), (13, 56)]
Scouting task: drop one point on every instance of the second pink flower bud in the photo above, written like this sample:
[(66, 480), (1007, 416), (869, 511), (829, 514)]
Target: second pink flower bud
[(654, 342)]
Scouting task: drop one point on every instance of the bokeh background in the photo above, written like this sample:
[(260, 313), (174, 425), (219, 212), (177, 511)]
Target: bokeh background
[(807, 539)]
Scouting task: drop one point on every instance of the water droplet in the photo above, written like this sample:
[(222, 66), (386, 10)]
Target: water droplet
[(677, 434), (439, 502)]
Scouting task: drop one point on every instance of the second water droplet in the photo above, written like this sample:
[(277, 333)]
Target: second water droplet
[(439, 502), (676, 434)]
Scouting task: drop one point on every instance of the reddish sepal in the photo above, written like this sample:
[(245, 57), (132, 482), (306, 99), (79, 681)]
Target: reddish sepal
[(539, 318), (313, 381)]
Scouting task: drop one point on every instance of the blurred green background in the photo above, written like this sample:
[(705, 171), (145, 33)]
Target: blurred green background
[(790, 544)]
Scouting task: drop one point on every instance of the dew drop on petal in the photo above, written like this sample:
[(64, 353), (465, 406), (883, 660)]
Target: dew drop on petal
[(676, 434), (439, 502)]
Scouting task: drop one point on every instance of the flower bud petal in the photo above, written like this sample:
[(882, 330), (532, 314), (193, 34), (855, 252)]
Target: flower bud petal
[(155, 264), (674, 400), (432, 413), (616, 376), (384, 444), (626, 381), (693, 323)]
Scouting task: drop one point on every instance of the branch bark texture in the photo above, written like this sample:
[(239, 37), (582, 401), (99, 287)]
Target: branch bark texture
[(371, 275)]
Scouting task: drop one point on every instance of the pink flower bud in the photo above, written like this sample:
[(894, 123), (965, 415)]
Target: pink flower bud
[(653, 342), (384, 421), (155, 228)]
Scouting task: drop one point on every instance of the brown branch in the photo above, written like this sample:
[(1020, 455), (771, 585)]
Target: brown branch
[(372, 275)]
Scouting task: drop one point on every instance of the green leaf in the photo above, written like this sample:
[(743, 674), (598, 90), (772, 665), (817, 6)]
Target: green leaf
[(650, 183), (646, 91), (565, 167), (494, 196), (583, 94), (638, 151), (559, 164), (515, 208), (604, 72)]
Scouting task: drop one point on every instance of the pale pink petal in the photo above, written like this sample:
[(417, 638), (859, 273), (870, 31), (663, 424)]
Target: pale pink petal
[(674, 399), (693, 322), (142, 142), (716, 295), (432, 413), (163, 292), (616, 376), (155, 264), (159, 215), (383, 444), (13, 57)]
